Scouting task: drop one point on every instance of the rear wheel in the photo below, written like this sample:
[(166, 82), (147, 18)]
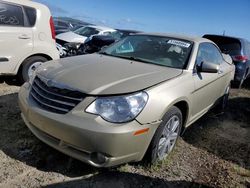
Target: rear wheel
[(165, 136), (29, 66)]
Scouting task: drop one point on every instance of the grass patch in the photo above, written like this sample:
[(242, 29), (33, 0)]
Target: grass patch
[(241, 171), (158, 165), (123, 168)]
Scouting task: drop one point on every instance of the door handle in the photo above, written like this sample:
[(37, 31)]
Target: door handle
[(3, 59), (24, 36)]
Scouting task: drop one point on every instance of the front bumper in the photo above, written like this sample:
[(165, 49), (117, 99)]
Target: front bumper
[(84, 136)]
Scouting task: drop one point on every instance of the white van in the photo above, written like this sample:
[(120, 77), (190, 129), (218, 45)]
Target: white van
[(27, 37)]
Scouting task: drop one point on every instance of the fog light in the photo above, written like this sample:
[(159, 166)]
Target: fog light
[(98, 158)]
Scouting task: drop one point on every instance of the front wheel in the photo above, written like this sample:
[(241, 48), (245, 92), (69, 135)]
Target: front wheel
[(29, 66), (165, 136)]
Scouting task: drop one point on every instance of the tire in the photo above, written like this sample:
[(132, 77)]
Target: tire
[(157, 153), (29, 65)]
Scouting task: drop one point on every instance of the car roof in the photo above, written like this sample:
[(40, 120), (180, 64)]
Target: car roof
[(129, 31), (102, 28), (178, 36), (26, 3), (71, 20), (225, 36)]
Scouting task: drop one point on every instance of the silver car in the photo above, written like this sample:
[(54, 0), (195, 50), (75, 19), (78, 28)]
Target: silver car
[(129, 102)]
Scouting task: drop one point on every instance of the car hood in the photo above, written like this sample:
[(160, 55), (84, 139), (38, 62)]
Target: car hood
[(71, 37), (97, 74)]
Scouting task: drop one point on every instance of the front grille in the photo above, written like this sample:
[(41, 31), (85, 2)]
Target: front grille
[(53, 98), (61, 42)]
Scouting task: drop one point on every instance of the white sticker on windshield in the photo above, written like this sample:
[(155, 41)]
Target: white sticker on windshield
[(179, 43)]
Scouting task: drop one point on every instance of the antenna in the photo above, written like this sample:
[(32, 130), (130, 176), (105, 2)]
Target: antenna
[(224, 32)]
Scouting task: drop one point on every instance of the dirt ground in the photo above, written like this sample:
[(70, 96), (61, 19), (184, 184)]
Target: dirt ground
[(213, 152)]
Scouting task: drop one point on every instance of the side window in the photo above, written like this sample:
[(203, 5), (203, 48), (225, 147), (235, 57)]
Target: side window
[(11, 15), (93, 32), (208, 52), (31, 15)]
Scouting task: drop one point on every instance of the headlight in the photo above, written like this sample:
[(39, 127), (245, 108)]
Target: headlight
[(119, 109)]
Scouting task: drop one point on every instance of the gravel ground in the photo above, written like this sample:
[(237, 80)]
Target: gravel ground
[(213, 152)]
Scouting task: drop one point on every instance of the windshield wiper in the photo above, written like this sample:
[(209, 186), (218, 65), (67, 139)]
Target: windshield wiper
[(125, 57), (105, 53), (134, 59)]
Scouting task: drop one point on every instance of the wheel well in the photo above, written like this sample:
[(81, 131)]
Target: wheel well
[(42, 55), (183, 106)]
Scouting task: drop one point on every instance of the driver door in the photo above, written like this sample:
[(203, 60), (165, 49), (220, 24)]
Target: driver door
[(208, 86)]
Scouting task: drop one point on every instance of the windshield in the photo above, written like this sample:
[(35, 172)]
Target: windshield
[(158, 50), (117, 35), (86, 31), (76, 27)]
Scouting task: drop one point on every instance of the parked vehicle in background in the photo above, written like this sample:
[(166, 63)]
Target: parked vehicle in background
[(239, 50), (65, 24), (130, 101), (81, 34), (95, 43), (69, 49), (26, 39), (122, 33)]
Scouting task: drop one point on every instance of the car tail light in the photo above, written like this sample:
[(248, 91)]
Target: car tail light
[(240, 58), (52, 28)]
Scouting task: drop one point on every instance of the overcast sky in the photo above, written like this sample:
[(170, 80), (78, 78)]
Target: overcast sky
[(192, 17)]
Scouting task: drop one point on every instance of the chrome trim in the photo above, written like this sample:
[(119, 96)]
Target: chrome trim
[(56, 94), (54, 100), (56, 108)]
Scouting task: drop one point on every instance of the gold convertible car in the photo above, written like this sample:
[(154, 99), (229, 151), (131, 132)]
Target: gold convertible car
[(128, 102)]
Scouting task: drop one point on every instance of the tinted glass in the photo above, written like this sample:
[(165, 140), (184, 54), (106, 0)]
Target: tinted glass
[(227, 45), (208, 53), (31, 14), (231, 48), (157, 50), (11, 15)]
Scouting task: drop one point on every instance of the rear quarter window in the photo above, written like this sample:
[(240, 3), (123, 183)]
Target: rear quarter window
[(11, 15), (231, 48), (227, 45), (31, 15)]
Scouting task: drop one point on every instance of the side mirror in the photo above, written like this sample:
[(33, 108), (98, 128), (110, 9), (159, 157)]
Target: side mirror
[(208, 67)]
